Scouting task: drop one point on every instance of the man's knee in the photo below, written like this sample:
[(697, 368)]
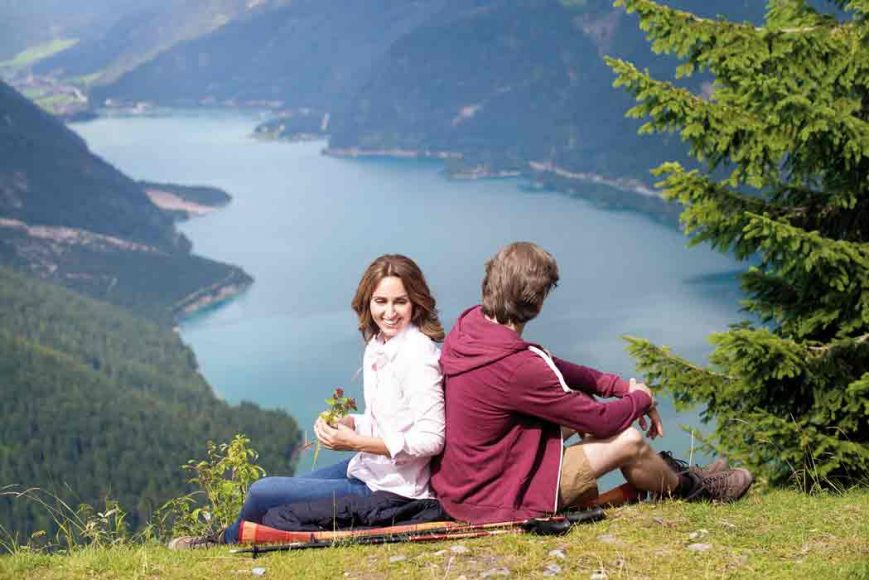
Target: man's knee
[(617, 451), (631, 443)]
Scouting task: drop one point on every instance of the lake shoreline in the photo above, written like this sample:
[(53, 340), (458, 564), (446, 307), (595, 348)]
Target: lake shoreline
[(540, 174), (213, 296), (184, 202), (621, 193)]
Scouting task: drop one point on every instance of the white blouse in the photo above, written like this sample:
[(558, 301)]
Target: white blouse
[(404, 406)]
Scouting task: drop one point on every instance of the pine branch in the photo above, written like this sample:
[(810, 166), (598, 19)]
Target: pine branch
[(689, 383), (649, 9), (647, 347), (756, 355), (836, 263), (826, 280), (714, 131), (713, 212), (828, 347)]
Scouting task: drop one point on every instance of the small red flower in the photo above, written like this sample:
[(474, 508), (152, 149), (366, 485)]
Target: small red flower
[(339, 392)]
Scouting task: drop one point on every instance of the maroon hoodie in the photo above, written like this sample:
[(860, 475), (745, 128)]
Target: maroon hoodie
[(504, 406)]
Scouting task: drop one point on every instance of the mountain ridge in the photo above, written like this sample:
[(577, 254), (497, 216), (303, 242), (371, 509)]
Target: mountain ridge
[(69, 217), (529, 85), (141, 32), (310, 53)]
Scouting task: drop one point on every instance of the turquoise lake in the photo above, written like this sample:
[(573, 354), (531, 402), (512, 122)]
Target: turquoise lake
[(305, 226)]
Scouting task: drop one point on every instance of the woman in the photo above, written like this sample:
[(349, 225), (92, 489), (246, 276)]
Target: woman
[(403, 423)]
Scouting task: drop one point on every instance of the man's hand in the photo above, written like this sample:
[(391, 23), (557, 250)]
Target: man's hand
[(347, 420), (341, 439), (635, 385), (654, 428)]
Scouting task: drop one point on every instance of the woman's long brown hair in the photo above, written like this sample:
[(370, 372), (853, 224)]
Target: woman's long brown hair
[(425, 315)]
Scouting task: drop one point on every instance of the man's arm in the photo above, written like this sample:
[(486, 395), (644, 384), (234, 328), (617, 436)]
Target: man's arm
[(590, 380), (536, 391)]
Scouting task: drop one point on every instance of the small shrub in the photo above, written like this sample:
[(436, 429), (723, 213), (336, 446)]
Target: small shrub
[(221, 483)]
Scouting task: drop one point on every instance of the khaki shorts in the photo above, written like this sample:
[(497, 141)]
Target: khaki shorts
[(577, 483)]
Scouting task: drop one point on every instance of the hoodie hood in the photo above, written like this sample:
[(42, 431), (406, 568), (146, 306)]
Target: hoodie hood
[(475, 342)]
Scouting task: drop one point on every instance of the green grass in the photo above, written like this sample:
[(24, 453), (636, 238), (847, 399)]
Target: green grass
[(54, 103), (85, 81), (49, 100), (780, 534), (36, 53)]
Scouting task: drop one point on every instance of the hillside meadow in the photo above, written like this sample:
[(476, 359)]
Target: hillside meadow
[(776, 534)]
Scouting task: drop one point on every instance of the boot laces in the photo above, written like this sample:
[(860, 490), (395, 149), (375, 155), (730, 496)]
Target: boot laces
[(717, 484), (676, 465)]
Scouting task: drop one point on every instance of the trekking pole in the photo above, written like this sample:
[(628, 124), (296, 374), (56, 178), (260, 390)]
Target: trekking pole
[(426, 536), (557, 525), (422, 536)]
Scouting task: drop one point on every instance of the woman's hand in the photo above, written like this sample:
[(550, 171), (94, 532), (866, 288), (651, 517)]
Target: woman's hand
[(342, 438)]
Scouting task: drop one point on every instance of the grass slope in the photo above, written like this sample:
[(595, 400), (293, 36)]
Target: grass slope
[(781, 534), (34, 54)]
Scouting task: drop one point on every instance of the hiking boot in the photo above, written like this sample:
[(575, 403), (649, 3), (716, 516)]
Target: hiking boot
[(679, 466), (197, 542), (727, 485)]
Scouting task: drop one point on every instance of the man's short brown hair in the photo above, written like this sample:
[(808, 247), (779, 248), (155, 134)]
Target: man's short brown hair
[(518, 279)]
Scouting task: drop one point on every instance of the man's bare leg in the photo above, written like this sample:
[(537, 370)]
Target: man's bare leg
[(639, 463)]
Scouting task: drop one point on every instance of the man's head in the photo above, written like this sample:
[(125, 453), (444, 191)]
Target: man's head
[(518, 278)]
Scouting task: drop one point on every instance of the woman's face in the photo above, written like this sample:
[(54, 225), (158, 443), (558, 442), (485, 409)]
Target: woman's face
[(390, 306)]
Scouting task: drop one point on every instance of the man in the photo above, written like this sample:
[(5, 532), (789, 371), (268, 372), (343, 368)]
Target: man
[(509, 405)]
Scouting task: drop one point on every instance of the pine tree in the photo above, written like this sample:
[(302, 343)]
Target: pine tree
[(781, 137)]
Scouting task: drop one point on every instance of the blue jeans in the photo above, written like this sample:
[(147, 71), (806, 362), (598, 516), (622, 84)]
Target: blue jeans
[(269, 492)]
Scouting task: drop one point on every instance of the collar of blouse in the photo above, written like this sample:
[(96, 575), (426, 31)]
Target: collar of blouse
[(380, 353)]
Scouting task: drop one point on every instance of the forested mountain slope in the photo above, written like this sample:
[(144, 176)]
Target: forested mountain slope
[(69, 217), (511, 81), (141, 31), (96, 402), (311, 53), (26, 24), (49, 177)]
